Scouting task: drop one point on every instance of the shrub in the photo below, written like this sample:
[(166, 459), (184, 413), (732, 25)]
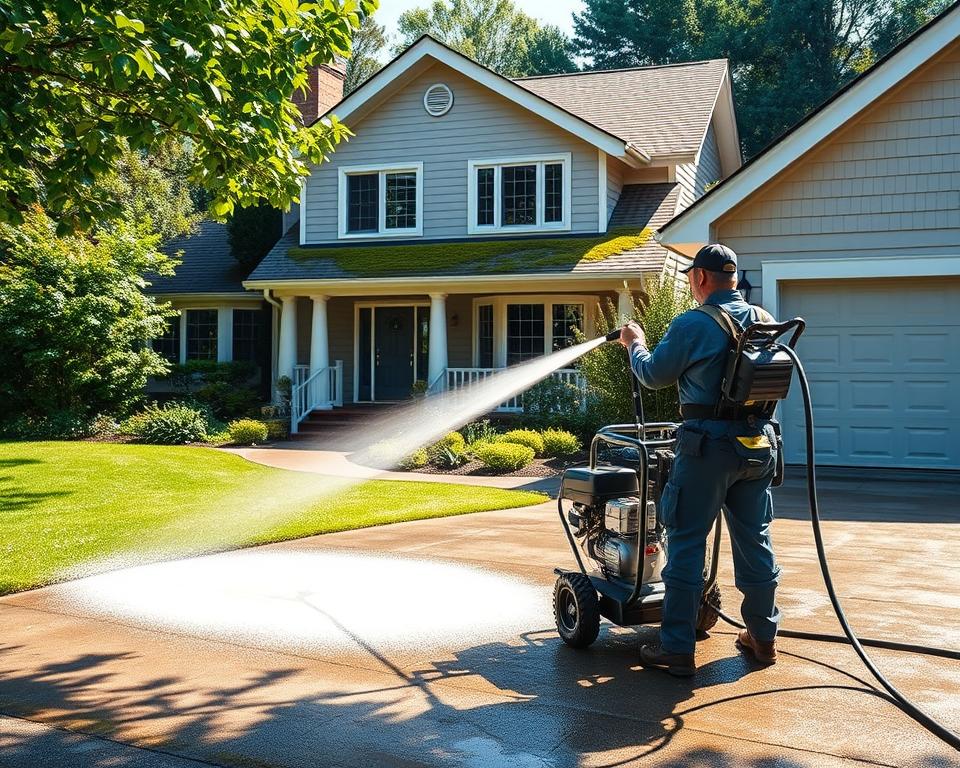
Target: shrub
[(248, 431), (173, 424), (225, 388), (559, 442), (450, 458), (59, 425), (277, 429), (505, 457), (452, 441), (527, 437), (415, 460), (477, 431), (551, 401)]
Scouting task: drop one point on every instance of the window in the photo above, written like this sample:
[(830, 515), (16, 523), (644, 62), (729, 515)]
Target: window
[(525, 332), (201, 334), (246, 334), (363, 202), (485, 335), (525, 195), (378, 202), (168, 345), (567, 318)]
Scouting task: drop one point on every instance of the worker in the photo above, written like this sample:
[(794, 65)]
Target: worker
[(724, 457)]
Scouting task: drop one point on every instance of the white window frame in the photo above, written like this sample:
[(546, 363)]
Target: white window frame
[(498, 163), (382, 170), (500, 303)]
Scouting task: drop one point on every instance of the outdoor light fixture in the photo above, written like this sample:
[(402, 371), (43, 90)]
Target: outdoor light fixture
[(744, 286)]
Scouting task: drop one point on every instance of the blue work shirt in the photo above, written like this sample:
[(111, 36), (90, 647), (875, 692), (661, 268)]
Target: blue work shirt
[(693, 351)]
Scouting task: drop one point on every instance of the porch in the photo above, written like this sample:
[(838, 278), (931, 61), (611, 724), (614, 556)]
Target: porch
[(351, 350)]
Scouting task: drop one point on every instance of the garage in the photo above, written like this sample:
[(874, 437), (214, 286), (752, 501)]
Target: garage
[(883, 359)]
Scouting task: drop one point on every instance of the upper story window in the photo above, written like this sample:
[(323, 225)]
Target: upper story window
[(508, 195), (377, 201)]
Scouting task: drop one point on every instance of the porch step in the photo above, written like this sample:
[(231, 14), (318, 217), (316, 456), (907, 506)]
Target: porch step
[(338, 421)]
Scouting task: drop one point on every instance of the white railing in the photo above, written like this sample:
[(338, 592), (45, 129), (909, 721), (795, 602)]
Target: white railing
[(323, 389), (456, 378)]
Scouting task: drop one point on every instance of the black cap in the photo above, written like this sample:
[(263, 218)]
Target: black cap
[(714, 258)]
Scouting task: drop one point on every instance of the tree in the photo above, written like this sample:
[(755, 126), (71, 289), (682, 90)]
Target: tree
[(786, 56), (252, 232), (494, 33), (80, 82), (368, 42)]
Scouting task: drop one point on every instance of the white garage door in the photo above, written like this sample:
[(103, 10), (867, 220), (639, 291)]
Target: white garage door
[(883, 359)]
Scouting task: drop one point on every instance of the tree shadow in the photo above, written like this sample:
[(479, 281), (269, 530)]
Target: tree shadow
[(13, 497)]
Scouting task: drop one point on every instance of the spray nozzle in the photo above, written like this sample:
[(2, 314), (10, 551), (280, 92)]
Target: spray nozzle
[(614, 335)]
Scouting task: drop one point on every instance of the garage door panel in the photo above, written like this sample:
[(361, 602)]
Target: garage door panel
[(883, 359)]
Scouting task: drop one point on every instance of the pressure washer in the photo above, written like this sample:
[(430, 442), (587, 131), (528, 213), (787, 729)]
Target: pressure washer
[(613, 519)]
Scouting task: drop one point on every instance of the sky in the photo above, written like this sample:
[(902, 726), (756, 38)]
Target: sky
[(556, 12)]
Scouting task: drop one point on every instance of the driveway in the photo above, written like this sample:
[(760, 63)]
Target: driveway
[(432, 643)]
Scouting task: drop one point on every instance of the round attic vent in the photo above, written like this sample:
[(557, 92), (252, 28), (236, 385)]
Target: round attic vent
[(438, 100)]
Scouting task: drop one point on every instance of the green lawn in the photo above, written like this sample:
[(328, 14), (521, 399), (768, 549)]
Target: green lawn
[(73, 508)]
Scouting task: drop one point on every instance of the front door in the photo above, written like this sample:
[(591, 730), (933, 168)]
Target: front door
[(394, 333)]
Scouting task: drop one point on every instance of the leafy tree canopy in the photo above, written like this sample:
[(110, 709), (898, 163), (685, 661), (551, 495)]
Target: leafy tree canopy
[(363, 63), (492, 32), (786, 56), (252, 232), (81, 81)]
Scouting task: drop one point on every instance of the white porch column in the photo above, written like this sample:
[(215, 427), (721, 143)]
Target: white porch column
[(320, 350), (287, 353), (624, 303), (438, 339)]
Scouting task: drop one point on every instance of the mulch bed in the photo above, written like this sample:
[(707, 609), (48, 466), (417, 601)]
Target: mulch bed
[(536, 468)]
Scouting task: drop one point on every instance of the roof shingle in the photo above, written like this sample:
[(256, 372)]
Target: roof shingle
[(208, 265)]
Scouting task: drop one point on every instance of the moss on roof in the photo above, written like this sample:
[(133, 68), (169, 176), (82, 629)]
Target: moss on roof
[(488, 256)]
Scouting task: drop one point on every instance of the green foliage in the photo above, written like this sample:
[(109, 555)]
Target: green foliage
[(73, 318), (449, 457), (60, 425), (494, 33), (551, 402), (527, 437), (82, 81), (172, 424), (606, 368), (252, 232), (452, 442), (786, 56), (477, 431), (415, 460), (224, 388), (247, 431), (504, 457), (501, 256), (560, 442), (364, 62), (277, 429)]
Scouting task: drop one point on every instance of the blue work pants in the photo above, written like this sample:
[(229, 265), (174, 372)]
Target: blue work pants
[(719, 464)]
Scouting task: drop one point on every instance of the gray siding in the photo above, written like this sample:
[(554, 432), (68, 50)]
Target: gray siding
[(694, 178), (615, 171), (480, 125), (888, 184)]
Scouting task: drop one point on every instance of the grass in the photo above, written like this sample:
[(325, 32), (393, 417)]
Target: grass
[(74, 508), (499, 256)]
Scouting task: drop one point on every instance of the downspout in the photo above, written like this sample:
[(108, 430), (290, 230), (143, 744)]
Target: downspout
[(274, 330)]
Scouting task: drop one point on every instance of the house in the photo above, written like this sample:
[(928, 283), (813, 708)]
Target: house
[(474, 221), (852, 220)]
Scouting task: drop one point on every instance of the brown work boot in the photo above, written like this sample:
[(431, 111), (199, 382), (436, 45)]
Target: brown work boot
[(763, 651), (677, 664)]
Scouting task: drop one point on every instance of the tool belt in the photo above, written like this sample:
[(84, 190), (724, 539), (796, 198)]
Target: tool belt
[(722, 413)]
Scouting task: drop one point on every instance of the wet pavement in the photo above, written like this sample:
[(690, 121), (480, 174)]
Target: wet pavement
[(432, 643)]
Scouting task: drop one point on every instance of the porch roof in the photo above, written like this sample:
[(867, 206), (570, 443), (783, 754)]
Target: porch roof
[(627, 247)]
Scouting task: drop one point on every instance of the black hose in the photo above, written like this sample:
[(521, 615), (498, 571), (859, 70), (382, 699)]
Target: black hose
[(936, 728)]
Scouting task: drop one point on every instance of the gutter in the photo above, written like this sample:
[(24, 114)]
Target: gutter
[(631, 150)]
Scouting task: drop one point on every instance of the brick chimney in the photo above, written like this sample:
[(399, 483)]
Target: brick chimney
[(324, 89)]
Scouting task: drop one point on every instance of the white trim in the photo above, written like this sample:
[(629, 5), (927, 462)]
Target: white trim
[(498, 163), (602, 218), (691, 229), (372, 306), (382, 170), (303, 210), (428, 47), (499, 303), (776, 272)]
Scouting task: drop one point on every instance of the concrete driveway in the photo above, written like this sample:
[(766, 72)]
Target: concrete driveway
[(432, 643)]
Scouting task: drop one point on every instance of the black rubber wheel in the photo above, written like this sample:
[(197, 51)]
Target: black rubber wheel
[(576, 609), (707, 617)]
